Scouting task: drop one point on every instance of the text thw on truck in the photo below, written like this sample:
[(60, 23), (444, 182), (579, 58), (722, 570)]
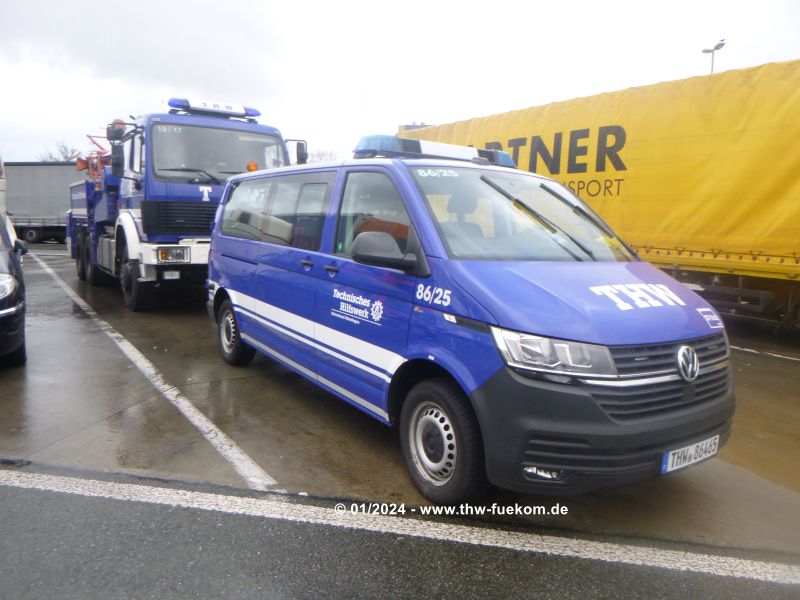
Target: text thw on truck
[(143, 216)]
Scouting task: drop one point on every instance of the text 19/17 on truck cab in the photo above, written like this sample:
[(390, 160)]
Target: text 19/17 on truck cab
[(143, 215), (487, 313)]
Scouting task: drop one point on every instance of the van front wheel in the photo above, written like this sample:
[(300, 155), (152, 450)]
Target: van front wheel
[(442, 443)]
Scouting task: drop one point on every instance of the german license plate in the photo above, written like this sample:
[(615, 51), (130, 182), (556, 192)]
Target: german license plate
[(672, 460), (171, 275)]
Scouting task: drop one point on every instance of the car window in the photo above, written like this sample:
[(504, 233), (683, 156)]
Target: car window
[(281, 210), (371, 202)]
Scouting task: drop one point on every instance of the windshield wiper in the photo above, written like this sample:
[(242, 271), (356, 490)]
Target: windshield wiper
[(554, 229), (579, 210), (211, 177)]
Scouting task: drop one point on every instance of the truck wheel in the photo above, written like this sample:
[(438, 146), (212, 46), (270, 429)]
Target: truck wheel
[(80, 259), (17, 358), (137, 295), (32, 235), (94, 276), (234, 350), (442, 443)]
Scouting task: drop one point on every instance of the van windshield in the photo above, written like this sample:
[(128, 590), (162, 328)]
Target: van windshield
[(192, 153), (485, 214)]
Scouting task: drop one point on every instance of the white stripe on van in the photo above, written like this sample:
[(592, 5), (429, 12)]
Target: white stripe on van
[(309, 373), (300, 338), (373, 355)]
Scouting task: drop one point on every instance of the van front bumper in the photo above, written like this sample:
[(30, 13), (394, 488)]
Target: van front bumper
[(563, 433)]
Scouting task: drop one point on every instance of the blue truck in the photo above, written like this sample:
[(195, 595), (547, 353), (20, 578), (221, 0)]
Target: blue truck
[(488, 313), (143, 215)]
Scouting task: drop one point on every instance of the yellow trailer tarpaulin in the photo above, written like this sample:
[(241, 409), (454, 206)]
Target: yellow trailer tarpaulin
[(702, 173)]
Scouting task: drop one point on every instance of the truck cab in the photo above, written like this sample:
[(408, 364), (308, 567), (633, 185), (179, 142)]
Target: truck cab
[(149, 209)]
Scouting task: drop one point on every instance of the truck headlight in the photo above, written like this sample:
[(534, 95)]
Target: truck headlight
[(7, 285), (536, 353), (172, 254)]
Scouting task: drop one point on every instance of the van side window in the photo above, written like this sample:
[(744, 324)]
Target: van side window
[(245, 209), (371, 202), (280, 210)]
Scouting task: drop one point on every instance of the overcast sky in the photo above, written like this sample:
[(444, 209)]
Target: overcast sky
[(331, 72)]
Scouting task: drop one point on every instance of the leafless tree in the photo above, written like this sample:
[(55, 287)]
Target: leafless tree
[(62, 153)]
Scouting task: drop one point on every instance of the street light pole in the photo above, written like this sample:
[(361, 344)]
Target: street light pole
[(712, 51)]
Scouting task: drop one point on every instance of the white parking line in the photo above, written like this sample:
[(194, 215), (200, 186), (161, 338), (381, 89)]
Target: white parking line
[(255, 476), (751, 351), (674, 560)]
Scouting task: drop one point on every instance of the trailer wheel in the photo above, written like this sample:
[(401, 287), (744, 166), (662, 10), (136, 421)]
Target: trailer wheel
[(32, 235), (137, 295), (442, 443), (80, 259)]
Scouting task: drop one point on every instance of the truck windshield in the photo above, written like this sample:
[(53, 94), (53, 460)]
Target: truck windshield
[(484, 214), (207, 154)]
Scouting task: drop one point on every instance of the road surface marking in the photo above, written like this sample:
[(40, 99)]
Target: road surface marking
[(751, 351), (255, 476), (674, 560)]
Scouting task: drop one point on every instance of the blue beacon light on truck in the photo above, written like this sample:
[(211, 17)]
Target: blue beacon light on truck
[(215, 108), (390, 146)]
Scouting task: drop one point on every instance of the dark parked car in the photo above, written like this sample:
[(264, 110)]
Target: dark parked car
[(12, 298)]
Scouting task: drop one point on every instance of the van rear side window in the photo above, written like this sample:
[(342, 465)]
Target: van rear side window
[(288, 210)]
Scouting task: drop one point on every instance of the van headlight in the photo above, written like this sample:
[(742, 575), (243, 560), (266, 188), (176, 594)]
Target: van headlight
[(536, 353), (7, 285)]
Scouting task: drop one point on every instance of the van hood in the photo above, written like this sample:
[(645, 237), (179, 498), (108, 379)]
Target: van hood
[(608, 303)]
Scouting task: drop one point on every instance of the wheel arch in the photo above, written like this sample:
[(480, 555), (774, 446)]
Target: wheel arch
[(407, 376), (220, 295), (126, 233)]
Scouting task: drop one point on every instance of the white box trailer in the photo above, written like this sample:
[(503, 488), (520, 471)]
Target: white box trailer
[(37, 199)]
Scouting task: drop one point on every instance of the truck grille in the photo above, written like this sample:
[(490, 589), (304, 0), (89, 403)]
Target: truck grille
[(660, 397), (177, 218), (657, 358)]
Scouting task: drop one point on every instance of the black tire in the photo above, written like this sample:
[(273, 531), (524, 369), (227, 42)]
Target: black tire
[(17, 358), (442, 443), (94, 276), (233, 349), (138, 295), (32, 235), (80, 259)]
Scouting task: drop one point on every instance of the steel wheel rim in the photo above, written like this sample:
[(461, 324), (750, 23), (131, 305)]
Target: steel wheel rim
[(227, 332), (433, 443)]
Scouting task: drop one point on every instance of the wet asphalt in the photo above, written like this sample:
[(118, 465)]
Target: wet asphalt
[(80, 405)]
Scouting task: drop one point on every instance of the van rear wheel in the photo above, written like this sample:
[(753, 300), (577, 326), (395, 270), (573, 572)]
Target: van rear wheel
[(233, 349), (442, 443)]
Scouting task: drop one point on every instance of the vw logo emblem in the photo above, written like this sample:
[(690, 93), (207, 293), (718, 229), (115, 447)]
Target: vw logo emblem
[(688, 363)]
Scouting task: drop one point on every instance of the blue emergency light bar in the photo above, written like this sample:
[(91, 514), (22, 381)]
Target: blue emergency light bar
[(201, 107), (392, 146)]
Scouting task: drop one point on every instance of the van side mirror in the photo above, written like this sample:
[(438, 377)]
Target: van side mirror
[(20, 247), (118, 160), (380, 249)]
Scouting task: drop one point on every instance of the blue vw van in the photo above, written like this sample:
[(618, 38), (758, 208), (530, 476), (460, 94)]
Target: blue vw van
[(487, 313)]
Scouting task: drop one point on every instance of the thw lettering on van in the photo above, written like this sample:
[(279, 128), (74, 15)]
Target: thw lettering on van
[(638, 295)]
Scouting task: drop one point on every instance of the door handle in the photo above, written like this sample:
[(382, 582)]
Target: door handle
[(331, 269), (307, 264)]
